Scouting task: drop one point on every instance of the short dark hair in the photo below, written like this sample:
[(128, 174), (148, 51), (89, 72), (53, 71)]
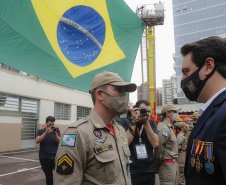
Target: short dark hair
[(50, 118), (213, 47), (163, 115), (140, 102), (93, 92)]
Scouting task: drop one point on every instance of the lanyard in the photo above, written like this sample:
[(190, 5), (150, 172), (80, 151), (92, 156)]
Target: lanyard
[(140, 132)]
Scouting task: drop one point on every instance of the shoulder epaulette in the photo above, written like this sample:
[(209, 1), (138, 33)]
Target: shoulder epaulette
[(79, 122)]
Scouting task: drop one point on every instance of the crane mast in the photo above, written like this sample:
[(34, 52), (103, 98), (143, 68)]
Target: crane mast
[(152, 15)]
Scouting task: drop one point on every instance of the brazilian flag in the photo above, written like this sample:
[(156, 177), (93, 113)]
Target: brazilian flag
[(68, 42)]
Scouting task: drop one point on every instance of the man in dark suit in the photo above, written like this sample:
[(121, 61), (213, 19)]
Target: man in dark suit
[(204, 81)]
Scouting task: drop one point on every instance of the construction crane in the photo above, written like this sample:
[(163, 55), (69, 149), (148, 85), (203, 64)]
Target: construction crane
[(152, 15)]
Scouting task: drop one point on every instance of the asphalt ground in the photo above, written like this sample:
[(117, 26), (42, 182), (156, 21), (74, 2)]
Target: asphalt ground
[(23, 168)]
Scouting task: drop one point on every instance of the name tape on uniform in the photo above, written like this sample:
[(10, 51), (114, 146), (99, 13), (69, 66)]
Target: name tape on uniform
[(101, 140), (103, 148)]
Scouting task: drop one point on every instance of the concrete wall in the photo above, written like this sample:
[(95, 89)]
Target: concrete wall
[(48, 93), (10, 133)]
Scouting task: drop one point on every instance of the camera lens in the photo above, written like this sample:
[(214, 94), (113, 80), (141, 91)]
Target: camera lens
[(143, 112)]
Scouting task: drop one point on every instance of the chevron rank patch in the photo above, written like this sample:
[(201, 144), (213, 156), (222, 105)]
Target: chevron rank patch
[(65, 165), (69, 140), (103, 148)]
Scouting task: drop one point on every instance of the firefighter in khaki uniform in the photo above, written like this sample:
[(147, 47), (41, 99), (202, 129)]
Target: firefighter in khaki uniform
[(182, 146), (166, 153), (94, 150)]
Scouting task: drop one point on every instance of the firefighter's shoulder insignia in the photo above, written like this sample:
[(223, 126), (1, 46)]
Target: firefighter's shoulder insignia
[(65, 165)]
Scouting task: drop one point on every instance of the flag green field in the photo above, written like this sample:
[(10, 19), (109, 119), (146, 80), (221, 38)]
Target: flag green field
[(69, 42)]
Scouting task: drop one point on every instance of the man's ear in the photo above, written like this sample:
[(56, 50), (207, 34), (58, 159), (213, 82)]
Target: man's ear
[(99, 94), (209, 65), (167, 114)]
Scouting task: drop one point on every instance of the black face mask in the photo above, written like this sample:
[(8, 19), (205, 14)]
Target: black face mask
[(192, 85)]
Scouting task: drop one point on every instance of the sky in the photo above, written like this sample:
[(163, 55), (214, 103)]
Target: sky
[(165, 47)]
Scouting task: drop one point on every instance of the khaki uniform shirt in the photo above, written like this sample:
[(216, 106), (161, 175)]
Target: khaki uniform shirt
[(182, 146), (89, 154), (167, 148), (182, 141)]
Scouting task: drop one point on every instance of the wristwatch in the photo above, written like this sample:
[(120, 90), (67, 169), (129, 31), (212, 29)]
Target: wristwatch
[(133, 123)]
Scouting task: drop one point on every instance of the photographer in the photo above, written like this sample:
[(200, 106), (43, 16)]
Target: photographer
[(142, 138), (49, 138)]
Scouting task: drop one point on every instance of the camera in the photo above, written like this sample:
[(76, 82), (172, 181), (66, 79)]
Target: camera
[(129, 113), (144, 112), (55, 129)]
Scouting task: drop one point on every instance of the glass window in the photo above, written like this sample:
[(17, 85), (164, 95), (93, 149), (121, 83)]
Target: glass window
[(82, 112), (62, 111)]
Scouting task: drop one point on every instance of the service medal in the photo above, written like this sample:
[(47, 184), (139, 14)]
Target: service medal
[(209, 167), (193, 149), (198, 165), (193, 161), (199, 149), (208, 155)]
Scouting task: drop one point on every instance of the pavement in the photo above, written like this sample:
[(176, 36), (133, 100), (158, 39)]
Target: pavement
[(23, 168)]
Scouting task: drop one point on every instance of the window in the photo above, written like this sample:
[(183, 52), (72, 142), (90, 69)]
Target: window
[(82, 112), (62, 111), (10, 68)]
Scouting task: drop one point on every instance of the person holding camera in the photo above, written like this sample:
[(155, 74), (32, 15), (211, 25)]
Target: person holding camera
[(142, 139), (49, 138)]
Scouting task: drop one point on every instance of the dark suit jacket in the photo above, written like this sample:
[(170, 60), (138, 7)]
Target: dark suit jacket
[(211, 127)]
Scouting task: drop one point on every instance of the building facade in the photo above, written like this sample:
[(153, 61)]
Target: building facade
[(194, 20), (143, 92), (159, 96), (26, 101), (168, 90)]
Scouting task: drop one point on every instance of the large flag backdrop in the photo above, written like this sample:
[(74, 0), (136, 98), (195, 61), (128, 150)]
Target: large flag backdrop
[(69, 42)]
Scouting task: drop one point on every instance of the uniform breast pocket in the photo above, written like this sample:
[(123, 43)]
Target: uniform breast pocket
[(106, 167), (126, 153), (172, 140)]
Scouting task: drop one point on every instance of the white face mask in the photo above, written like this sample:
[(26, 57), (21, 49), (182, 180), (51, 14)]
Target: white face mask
[(175, 117)]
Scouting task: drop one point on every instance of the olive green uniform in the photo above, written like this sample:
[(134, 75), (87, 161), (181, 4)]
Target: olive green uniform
[(93, 155), (166, 154), (182, 146)]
